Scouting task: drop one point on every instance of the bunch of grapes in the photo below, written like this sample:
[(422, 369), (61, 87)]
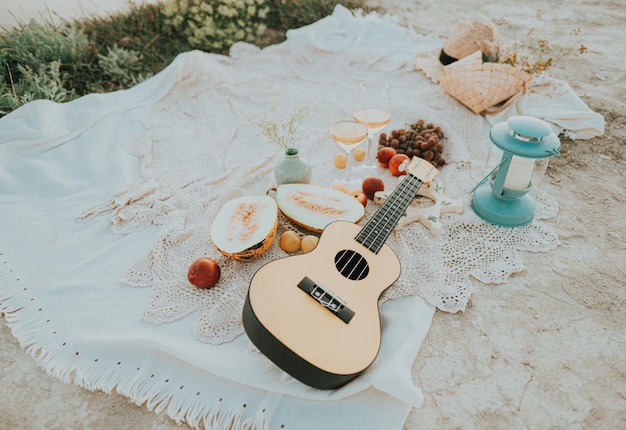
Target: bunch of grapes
[(421, 139)]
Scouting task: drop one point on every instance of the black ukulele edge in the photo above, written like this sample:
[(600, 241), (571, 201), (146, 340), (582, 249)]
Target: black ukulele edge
[(285, 358)]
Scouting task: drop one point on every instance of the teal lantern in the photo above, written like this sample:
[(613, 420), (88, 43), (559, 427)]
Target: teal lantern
[(526, 144)]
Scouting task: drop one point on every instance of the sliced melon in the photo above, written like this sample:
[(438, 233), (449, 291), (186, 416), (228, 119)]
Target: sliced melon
[(245, 227), (314, 207)]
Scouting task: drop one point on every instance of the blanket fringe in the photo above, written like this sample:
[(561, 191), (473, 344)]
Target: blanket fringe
[(159, 397)]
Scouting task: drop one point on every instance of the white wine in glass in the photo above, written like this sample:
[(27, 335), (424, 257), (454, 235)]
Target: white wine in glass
[(348, 135), (374, 111)]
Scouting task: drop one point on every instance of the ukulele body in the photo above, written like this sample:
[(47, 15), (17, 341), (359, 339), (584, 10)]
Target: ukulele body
[(316, 315)]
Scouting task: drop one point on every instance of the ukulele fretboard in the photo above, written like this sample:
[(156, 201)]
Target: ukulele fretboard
[(378, 229)]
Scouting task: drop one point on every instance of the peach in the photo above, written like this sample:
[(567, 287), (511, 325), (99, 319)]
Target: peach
[(399, 164)]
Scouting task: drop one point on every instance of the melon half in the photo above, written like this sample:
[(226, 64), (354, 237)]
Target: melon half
[(245, 227), (314, 207)]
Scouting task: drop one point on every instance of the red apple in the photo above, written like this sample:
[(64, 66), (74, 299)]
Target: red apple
[(204, 273), (360, 196), (371, 185), (384, 155), (399, 164)]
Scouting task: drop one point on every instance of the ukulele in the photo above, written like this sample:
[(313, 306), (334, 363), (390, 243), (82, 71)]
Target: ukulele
[(316, 315)]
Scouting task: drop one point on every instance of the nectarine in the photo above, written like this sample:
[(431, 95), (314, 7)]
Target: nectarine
[(371, 185), (204, 273), (360, 196), (384, 155)]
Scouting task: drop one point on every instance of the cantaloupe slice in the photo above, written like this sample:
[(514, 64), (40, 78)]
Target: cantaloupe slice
[(313, 207), (245, 227)]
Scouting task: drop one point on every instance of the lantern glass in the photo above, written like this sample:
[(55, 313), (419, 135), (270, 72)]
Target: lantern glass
[(519, 174), (519, 169), (539, 171)]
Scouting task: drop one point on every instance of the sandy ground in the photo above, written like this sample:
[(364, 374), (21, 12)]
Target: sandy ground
[(545, 350)]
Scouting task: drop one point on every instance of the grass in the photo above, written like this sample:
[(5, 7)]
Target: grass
[(60, 62)]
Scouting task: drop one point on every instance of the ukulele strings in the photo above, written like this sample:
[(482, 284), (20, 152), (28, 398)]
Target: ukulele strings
[(386, 219), (405, 190)]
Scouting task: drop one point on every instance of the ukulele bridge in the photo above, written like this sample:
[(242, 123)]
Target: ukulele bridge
[(326, 299)]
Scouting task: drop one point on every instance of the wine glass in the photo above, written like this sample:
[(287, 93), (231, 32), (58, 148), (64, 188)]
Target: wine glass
[(375, 112), (348, 134)]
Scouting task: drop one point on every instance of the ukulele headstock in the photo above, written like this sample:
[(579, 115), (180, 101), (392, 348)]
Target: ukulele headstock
[(422, 170)]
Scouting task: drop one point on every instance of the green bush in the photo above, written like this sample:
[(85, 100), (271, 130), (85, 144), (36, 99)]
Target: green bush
[(122, 65), (60, 63), (37, 60), (214, 25), (286, 14)]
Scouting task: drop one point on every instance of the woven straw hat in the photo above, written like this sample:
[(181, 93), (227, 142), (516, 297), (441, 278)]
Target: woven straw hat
[(468, 37), (465, 38), (479, 85)]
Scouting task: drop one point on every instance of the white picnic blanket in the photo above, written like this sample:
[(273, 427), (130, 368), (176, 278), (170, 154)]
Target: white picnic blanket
[(106, 200)]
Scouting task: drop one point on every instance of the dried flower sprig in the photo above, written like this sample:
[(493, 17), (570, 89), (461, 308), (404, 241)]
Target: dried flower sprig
[(535, 54), (279, 126)]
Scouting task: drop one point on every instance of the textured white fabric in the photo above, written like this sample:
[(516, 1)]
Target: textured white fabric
[(146, 169), (555, 102)]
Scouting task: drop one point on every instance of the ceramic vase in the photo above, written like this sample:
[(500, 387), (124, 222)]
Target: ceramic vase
[(292, 169)]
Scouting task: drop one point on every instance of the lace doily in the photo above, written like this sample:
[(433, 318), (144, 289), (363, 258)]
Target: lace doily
[(198, 153)]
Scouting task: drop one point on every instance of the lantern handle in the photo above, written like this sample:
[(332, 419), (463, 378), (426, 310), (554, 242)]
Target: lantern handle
[(488, 175)]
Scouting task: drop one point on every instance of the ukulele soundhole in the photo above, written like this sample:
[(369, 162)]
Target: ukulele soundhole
[(351, 264)]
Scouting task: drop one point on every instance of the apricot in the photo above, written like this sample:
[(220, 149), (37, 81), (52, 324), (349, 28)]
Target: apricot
[(358, 154), (289, 241), (204, 273), (340, 160), (309, 242)]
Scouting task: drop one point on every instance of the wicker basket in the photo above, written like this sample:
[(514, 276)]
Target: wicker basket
[(479, 85)]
